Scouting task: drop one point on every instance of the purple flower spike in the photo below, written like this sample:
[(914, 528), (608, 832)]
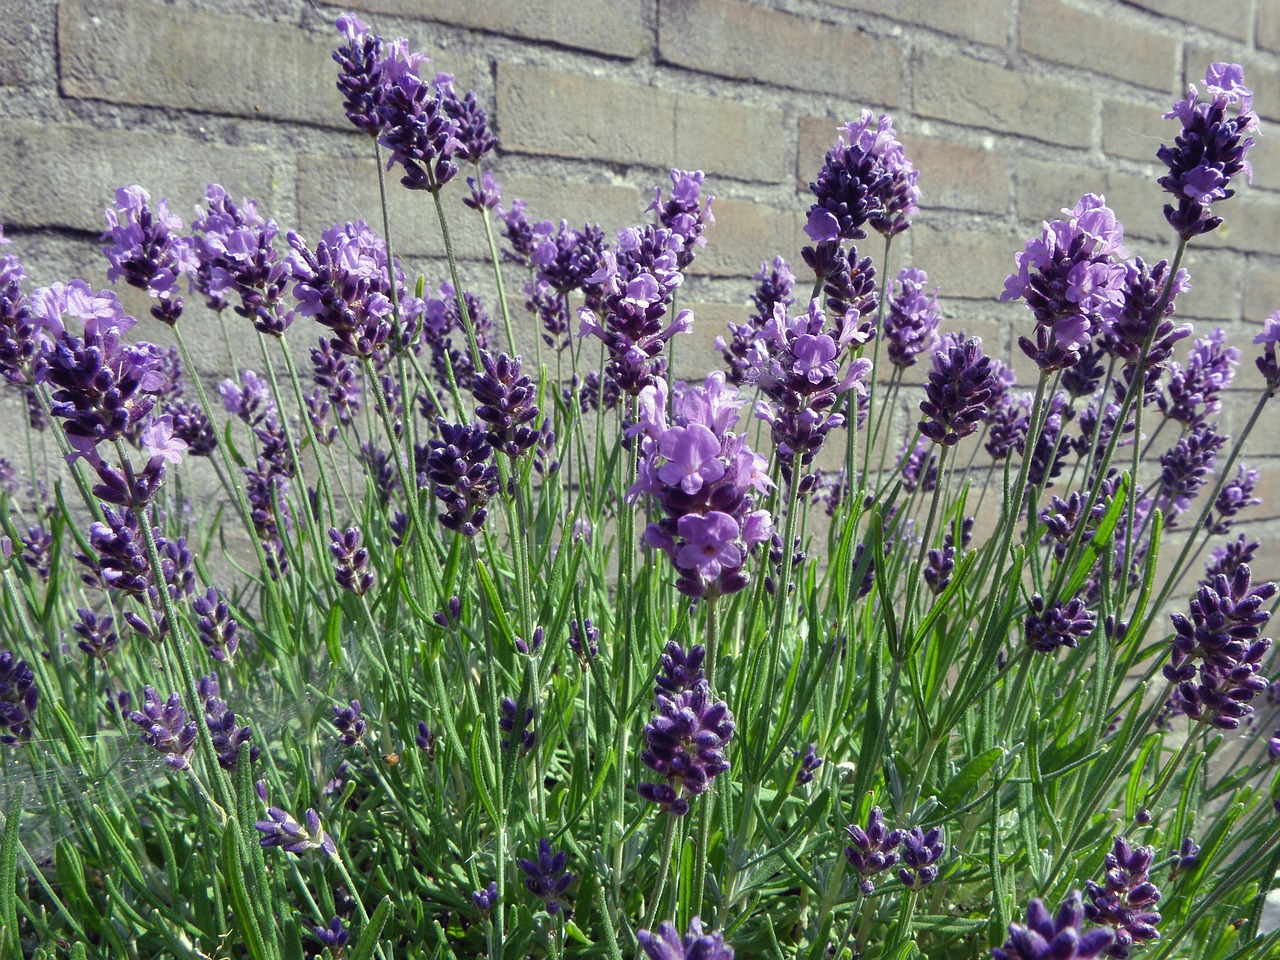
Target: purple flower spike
[(350, 561), (775, 284), (475, 141), (685, 739), (508, 403), (546, 877), (237, 255), (873, 850), (165, 727), (1194, 391), (486, 899), (1210, 150), (19, 698), (351, 724), (486, 193), (97, 639), (146, 250), (227, 735), (920, 854), (1267, 364), (1132, 326), (1070, 282), (957, 392), (681, 214), (1126, 899), (1054, 938), (584, 638), (417, 129), (509, 710), (281, 830), (697, 944), (912, 322), (1047, 629), (425, 740), (1186, 467), (334, 937), (463, 478), (1236, 495), (866, 178), (809, 763)]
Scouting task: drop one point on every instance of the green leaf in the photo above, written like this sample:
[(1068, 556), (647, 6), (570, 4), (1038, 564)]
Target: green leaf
[(9, 869), (962, 783), (245, 918), (333, 633), (368, 941)]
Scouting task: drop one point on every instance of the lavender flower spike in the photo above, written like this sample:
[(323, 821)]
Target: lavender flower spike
[(685, 744), (958, 389), (1054, 938), (281, 830), (146, 250), (697, 944), (1127, 898), (920, 853), (18, 699), (546, 877), (165, 727), (873, 850)]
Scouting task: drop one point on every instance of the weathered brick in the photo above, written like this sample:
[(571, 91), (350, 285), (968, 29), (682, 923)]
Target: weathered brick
[(1220, 19), (965, 264), (1135, 130), (196, 61), (733, 139), (573, 115), (745, 233), (952, 176), (736, 39), (979, 94), (1264, 157), (1216, 286), (63, 175), (986, 21), (1250, 223), (332, 190), (601, 26), (695, 352), (1269, 24), (1136, 54), (1259, 75), (18, 45), (1261, 292), (1045, 187)]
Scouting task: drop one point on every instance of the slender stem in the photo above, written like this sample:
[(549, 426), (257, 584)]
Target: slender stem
[(497, 279), (664, 868), (399, 348), (707, 804)]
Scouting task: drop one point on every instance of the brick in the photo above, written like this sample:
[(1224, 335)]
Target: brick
[(952, 176), (1219, 19), (1045, 187), (612, 27), (748, 42), (332, 190), (733, 139), (1216, 285), (1259, 75), (745, 233), (1135, 130), (18, 43), (695, 352), (1264, 157), (1250, 223), (975, 93), (1261, 292), (1268, 35), (572, 115), (1136, 54), (965, 264), (196, 61), (87, 164), (986, 21)]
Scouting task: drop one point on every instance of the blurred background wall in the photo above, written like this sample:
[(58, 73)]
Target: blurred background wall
[(1011, 109)]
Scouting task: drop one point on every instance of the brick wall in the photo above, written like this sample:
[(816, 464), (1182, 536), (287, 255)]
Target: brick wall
[(1011, 108)]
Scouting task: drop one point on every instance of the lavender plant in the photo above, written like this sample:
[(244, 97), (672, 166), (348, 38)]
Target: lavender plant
[(533, 682)]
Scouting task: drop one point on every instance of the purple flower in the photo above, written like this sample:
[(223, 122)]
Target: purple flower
[(97, 639), (1209, 151), (147, 251), (1135, 323), (237, 255), (920, 854), (217, 629), (775, 284), (334, 937), (1194, 391), (867, 178), (873, 850), (681, 214), (1048, 628), (509, 710), (350, 561), (19, 698), (678, 670), (367, 63), (281, 830), (475, 141), (486, 899), (912, 322), (957, 391), (419, 132), (425, 740), (941, 564), (165, 727), (685, 742), (1054, 938), (666, 944), (1185, 467), (1227, 559), (584, 637), (546, 877), (1267, 364), (919, 467), (809, 762), (507, 403), (228, 737), (518, 231), (1070, 282), (351, 724), (463, 478), (486, 193), (1125, 899)]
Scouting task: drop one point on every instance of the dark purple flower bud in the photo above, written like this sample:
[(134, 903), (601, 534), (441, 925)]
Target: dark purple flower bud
[(697, 944), (508, 711), (519, 231), (366, 64), (350, 723), (1209, 152), (281, 830), (584, 637), (508, 403), (873, 850), (957, 391), (335, 783), (192, 426), (1070, 282), (462, 475), (685, 743), (334, 937), (165, 727), (350, 561), (18, 699), (1047, 629), (679, 670), (37, 550), (920, 854), (475, 141), (97, 639), (228, 736), (1125, 899), (1054, 938), (486, 193), (1049, 454), (1194, 392), (809, 762), (120, 562), (146, 250), (425, 740), (1187, 856), (1227, 559), (486, 899), (417, 129), (941, 564), (534, 643), (1136, 323), (546, 878)]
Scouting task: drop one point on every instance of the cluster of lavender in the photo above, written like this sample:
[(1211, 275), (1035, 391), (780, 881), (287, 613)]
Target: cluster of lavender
[(685, 739), (774, 286), (697, 943), (19, 698), (1125, 899), (1058, 937), (546, 877), (703, 476), (1216, 658)]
